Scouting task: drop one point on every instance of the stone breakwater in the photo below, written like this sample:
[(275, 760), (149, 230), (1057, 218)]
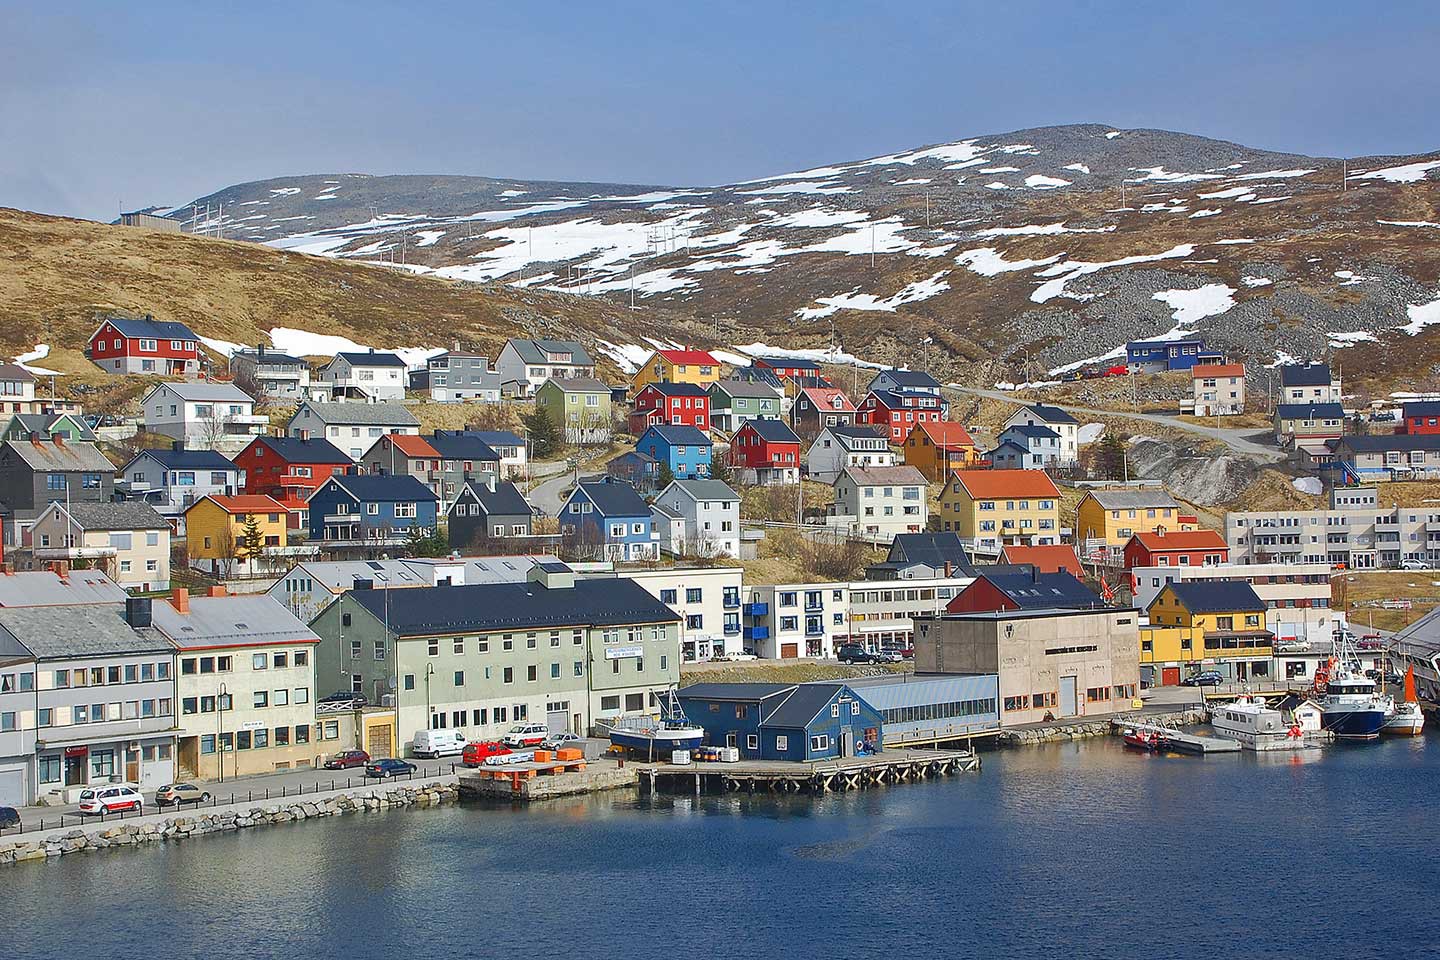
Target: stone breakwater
[(183, 827), (1081, 729)]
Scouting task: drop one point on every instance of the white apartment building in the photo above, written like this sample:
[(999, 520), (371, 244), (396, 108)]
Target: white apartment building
[(1056, 419), (707, 600), (207, 416), (881, 501), (1296, 595), (1354, 530), (709, 518)]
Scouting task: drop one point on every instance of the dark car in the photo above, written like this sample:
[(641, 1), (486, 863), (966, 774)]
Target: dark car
[(9, 817), (388, 767), (854, 653), (1205, 678), (346, 759)]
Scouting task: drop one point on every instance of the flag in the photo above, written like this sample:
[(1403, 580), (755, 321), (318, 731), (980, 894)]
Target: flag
[(1107, 592)]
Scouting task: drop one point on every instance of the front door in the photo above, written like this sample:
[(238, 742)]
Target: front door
[(1069, 705), (847, 741), (1169, 676), (75, 770), (789, 651), (132, 765)]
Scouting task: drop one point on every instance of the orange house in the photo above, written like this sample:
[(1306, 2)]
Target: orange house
[(937, 448)]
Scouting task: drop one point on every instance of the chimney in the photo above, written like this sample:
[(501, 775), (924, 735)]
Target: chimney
[(216, 591), (1159, 531), (177, 446), (1034, 573), (61, 569), (260, 350), (949, 569), (180, 600), (58, 439), (137, 612)]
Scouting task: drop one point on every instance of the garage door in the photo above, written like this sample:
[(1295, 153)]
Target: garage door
[(789, 651), (12, 788), (558, 721), (380, 741), (1169, 676)]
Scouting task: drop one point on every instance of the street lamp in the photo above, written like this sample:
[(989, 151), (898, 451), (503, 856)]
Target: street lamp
[(220, 731)]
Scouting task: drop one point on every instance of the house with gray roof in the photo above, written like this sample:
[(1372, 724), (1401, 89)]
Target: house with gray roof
[(206, 415), (708, 514), (277, 375), (531, 362), (37, 472), (352, 427), (128, 540), (486, 512), (1066, 428), (370, 376), (783, 721), (457, 375), (145, 345)]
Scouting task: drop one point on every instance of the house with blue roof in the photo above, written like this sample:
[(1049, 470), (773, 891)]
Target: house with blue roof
[(1026, 447), (783, 721), (685, 450), (364, 510), (900, 381), (608, 518), (145, 345), (172, 478)]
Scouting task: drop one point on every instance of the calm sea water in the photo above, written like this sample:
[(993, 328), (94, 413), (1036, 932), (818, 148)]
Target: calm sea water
[(1082, 850)]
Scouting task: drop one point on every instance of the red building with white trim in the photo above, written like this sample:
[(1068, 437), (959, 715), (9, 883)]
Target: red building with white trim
[(289, 469), (766, 451), (899, 410), (1176, 548), (146, 346), (671, 404)]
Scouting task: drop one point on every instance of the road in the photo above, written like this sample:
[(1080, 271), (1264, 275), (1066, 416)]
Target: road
[(549, 495), (1237, 439)]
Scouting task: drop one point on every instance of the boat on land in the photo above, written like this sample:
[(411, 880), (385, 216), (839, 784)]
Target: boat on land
[(1257, 726), (658, 736), (1406, 719)]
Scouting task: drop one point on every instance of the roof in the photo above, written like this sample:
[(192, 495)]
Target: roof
[(531, 351), (1181, 540), (1000, 484), (371, 358), (1031, 431), (678, 434), (230, 621), (1008, 445), (578, 384), (802, 705), (412, 572), (172, 459), (410, 444), (44, 423), (667, 389), (1133, 499), (384, 487), (497, 438), (688, 356), (933, 549), (847, 432), (614, 498), (13, 371), (311, 450), (1212, 596), (885, 476), (151, 328), (743, 388), (1050, 414), (1305, 375), (78, 631), (206, 391), (794, 363), (61, 455), (459, 445), (909, 378), (1042, 591), (122, 515), (505, 500), (631, 455), (895, 399), (759, 375), (1422, 408), (946, 434), (1048, 558), (771, 430), (733, 691), (1163, 342), (370, 414), (1310, 411), (824, 397), (44, 588), (1381, 443), (1217, 370), (244, 503), (705, 489), (524, 605), (266, 358)]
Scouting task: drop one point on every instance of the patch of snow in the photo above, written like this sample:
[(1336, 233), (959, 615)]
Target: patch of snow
[(930, 251), (1205, 213), (1017, 148), (734, 359), (911, 293), (428, 237), (1272, 199), (819, 217), (997, 185), (1112, 134), (39, 352), (1193, 305), (1256, 281), (1037, 181), (881, 236), (513, 193), (1408, 223), (302, 343), (999, 170), (798, 175), (988, 262), (1276, 174), (1116, 354), (836, 356), (285, 191), (1407, 173), (1340, 339), (1421, 316), (1077, 167), (1161, 175), (1310, 485), (223, 347), (967, 163), (901, 183), (953, 152), (1225, 194), (1039, 230), (1090, 432), (802, 186), (1071, 269), (324, 196), (627, 356)]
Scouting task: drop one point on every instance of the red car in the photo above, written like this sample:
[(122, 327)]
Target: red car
[(346, 759), (475, 753)]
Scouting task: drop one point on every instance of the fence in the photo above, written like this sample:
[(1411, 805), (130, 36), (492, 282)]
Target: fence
[(250, 796)]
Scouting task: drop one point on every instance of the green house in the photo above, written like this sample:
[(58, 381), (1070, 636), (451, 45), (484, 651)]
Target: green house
[(732, 402), (580, 405)]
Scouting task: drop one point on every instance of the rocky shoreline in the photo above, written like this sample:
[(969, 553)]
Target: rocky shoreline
[(184, 827), (1082, 729)]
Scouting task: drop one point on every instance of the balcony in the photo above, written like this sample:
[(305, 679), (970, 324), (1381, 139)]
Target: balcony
[(731, 601), (732, 629), (757, 633), (814, 629), (756, 609)]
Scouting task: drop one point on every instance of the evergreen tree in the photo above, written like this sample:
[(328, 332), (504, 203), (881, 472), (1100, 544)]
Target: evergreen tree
[(1110, 459), (719, 470), (665, 476), (545, 437), (254, 539)]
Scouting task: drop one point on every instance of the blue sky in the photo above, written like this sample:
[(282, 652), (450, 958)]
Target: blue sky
[(103, 104)]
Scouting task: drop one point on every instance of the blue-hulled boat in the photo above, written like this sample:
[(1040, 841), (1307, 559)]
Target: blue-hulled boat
[(1350, 708), (658, 737)]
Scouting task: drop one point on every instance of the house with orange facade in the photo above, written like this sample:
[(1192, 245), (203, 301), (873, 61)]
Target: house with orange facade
[(936, 448)]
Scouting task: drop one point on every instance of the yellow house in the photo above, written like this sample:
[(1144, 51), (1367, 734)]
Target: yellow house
[(991, 509), (219, 542), (1206, 625), (677, 366), (1109, 518)]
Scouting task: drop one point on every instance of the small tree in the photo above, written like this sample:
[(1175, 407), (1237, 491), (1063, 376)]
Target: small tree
[(545, 438), (664, 476), (251, 543), (1110, 458), (720, 470)]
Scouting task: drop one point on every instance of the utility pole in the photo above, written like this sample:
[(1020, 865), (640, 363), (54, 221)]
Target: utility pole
[(927, 208), (872, 246)]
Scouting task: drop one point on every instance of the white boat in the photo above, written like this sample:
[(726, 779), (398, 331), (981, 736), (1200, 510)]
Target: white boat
[(1257, 726), (1405, 719)]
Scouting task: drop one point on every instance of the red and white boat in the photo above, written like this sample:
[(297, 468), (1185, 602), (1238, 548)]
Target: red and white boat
[(1141, 739), (1407, 720)]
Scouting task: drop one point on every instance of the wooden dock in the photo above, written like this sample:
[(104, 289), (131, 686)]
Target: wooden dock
[(820, 776), (1178, 739)]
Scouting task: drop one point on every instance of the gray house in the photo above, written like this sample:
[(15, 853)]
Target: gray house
[(86, 697), (455, 376), (482, 513), (351, 427), (531, 362), (278, 375), (35, 473)]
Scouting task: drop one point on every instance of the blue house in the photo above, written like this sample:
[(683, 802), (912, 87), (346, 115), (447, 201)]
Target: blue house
[(685, 450), (1025, 447), (783, 721), (364, 510), (611, 516), (640, 470), (1158, 356)]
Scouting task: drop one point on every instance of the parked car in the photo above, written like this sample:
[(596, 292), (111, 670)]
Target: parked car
[(178, 793), (558, 741), (854, 653), (1205, 678), (346, 759), (112, 799), (1390, 678), (1371, 641), (9, 817), (526, 735), (388, 767), (1414, 565), (477, 753), (438, 743)]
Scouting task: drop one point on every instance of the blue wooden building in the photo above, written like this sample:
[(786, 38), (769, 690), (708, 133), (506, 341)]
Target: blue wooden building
[(371, 510), (1158, 356), (609, 514), (783, 721), (684, 449)]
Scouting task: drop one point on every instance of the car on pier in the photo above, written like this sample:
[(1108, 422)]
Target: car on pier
[(178, 793), (526, 735), (387, 767), (1205, 678), (9, 817), (559, 741), (346, 759)]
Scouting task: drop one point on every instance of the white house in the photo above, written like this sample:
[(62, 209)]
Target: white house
[(352, 427), (841, 446), (171, 479), (707, 600), (709, 513), (881, 501), (278, 375), (1056, 419), (531, 362), (17, 389), (209, 416), (372, 376)]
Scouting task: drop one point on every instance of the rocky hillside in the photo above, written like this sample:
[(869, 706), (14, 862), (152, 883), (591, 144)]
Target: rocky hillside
[(1009, 257)]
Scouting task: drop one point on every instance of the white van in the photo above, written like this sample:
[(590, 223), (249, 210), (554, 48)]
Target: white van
[(438, 743)]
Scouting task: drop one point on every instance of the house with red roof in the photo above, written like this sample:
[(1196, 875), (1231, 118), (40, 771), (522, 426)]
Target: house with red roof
[(764, 452), (678, 366), (899, 410), (289, 469), (671, 405), (1047, 558), (444, 461), (816, 408), (1176, 548)]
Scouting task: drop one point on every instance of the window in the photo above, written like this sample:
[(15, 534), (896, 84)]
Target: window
[(459, 678), (821, 741), (752, 741), (262, 699), (259, 661), (281, 698)]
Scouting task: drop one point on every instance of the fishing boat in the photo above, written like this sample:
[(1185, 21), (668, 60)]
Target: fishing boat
[(1141, 739), (1257, 726), (1407, 719), (658, 737), (1349, 706)]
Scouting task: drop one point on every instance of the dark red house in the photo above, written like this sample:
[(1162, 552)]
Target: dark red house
[(671, 404), (1422, 417), (1178, 548), (789, 366), (149, 346), (1024, 589), (899, 410), (766, 451), (289, 469)]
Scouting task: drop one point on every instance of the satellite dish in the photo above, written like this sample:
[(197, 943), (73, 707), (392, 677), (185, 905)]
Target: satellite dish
[(391, 682)]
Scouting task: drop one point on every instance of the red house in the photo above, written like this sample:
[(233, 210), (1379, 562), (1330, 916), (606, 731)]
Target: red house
[(671, 404), (1422, 417), (788, 366), (766, 451), (1023, 590), (899, 411), (1178, 548), (159, 347), (289, 469)]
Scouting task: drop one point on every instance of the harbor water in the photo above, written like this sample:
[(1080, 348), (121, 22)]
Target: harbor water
[(1084, 850)]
